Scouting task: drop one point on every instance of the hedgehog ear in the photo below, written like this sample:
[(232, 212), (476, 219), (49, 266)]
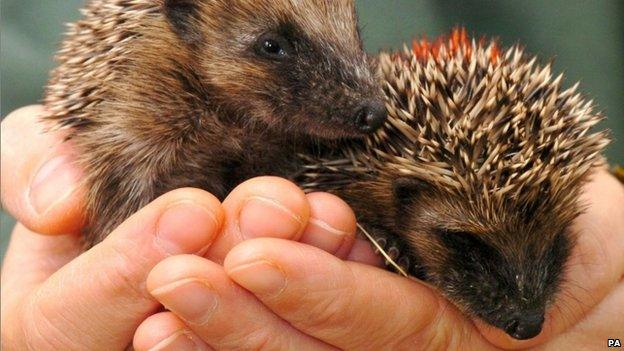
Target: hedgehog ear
[(183, 15), (407, 189)]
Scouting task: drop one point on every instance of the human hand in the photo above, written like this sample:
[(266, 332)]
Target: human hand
[(271, 292), (54, 296)]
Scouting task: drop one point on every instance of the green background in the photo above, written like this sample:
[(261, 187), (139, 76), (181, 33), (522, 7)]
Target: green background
[(586, 38)]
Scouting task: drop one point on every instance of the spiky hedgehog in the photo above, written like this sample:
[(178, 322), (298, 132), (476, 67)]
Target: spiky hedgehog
[(473, 181), (162, 94)]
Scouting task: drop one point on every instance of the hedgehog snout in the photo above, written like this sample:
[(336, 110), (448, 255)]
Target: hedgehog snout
[(517, 310), (524, 325), (370, 116)]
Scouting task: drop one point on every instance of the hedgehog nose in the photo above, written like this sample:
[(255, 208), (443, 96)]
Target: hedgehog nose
[(370, 116), (525, 327)]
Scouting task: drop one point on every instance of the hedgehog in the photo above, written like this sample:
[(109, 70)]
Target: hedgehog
[(161, 94), (473, 181)]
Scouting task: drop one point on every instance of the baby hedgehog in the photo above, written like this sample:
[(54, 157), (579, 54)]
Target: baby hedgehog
[(473, 181), (161, 94)]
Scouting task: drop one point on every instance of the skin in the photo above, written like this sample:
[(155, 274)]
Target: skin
[(271, 292)]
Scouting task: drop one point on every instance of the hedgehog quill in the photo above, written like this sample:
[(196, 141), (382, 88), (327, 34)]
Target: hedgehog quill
[(474, 180), (158, 95)]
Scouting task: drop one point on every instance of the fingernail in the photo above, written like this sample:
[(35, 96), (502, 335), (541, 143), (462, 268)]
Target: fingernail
[(186, 227), (260, 277), (180, 340), (266, 217), (190, 299), (54, 181), (324, 236)]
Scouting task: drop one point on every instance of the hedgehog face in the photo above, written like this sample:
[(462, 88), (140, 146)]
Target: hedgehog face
[(501, 263), (297, 66)]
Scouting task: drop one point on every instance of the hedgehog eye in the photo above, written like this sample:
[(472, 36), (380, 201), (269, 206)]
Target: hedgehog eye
[(464, 242), (273, 46), (406, 189), (457, 237)]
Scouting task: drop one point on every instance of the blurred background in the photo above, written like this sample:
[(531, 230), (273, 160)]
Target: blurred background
[(586, 39)]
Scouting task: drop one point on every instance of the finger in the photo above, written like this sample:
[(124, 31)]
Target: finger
[(30, 259), (263, 206), (220, 312), (40, 182), (604, 322), (594, 268), (99, 299), (165, 332), (331, 226), (346, 304), (362, 251)]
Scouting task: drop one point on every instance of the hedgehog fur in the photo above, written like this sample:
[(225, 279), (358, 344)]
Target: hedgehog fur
[(162, 94), (474, 179)]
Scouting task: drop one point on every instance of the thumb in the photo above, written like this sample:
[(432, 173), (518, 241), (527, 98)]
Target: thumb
[(96, 301), (40, 182)]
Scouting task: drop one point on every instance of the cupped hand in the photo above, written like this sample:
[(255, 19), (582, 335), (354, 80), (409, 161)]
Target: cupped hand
[(276, 294), (55, 296)]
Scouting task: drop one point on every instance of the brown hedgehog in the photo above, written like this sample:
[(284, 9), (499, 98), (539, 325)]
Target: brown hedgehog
[(473, 181), (161, 94)]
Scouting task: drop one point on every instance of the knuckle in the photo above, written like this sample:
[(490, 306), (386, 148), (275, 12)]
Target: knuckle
[(20, 118), (325, 310), (330, 312), (125, 271)]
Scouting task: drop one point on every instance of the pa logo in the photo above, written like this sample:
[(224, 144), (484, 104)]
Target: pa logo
[(614, 343)]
